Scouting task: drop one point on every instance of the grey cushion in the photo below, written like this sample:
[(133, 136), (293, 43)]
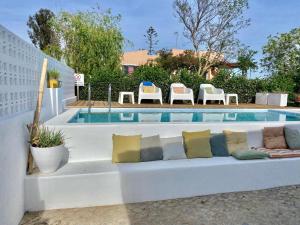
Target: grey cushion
[(151, 149), (292, 137), (218, 145), (173, 148)]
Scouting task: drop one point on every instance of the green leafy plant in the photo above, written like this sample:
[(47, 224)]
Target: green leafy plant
[(282, 61), (246, 60), (53, 74), (47, 138), (93, 41)]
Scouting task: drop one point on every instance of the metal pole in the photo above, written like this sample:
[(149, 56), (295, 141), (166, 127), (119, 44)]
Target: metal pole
[(77, 88), (109, 97), (89, 97)]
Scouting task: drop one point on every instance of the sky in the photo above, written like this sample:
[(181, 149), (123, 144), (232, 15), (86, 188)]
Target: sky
[(268, 17)]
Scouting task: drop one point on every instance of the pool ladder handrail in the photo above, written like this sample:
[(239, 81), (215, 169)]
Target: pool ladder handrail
[(89, 98), (109, 97)]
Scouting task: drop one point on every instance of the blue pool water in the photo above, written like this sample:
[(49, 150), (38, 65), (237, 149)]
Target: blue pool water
[(181, 115)]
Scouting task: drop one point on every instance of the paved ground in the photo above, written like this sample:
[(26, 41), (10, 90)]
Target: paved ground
[(279, 206)]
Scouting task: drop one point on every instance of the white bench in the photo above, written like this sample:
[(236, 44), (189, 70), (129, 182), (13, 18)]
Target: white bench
[(96, 183), (90, 179)]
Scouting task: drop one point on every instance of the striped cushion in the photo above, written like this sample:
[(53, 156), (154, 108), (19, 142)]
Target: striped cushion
[(280, 153)]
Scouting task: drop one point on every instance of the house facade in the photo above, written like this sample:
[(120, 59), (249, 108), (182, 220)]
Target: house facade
[(133, 59)]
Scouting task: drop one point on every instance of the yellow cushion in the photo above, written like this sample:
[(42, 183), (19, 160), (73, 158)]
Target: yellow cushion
[(197, 144), (236, 141), (126, 148), (149, 89)]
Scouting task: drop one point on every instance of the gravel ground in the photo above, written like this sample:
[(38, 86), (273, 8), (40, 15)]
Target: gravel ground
[(278, 206)]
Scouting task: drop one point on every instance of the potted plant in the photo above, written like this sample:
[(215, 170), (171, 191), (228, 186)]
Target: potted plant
[(53, 78), (48, 150)]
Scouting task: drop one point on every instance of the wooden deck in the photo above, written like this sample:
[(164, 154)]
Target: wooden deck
[(104, 104)]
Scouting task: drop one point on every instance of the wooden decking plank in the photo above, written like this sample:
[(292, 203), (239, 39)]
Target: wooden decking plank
[(104, 104)]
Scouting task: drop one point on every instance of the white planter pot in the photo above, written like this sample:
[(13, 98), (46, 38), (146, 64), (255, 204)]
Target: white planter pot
[(48, 160), (261, 98), (277, 99)]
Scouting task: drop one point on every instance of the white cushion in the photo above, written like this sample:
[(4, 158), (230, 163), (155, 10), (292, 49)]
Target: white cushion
[(255, 138), (173, 148)]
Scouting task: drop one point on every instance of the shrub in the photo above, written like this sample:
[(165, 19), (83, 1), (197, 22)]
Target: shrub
[(190, 79), (159, 76), (100, 84), (245, 88), (230, 82)]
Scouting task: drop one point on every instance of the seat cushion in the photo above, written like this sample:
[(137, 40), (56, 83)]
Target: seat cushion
[(197, 144), (148, 89), (173, 148), (209, 90), (236, 141), (151, 149), (218, 145), (126, 148), (292, 137), (249, 154), (280, 153), (274, 138), (179, 90)]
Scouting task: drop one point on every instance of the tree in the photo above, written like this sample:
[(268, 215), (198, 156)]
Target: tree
[(282, 56), (92, 41), (42, 34), (187, 60), (151, 40), (246, 60), (211, 25)]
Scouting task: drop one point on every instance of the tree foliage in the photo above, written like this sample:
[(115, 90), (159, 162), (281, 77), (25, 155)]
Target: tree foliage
[(282, 57), (151, 40), (42, 34), (211, 25), (246, 60), (92, 42), (186, 60)]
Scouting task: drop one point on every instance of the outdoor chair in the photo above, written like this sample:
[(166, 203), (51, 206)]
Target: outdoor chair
[(180, 92), (148, 90), (209, 92)]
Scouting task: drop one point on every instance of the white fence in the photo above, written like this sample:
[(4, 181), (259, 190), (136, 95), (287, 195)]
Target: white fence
[(20, 68)]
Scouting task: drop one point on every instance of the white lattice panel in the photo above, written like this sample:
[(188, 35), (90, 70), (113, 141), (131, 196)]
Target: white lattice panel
[(20, 68)]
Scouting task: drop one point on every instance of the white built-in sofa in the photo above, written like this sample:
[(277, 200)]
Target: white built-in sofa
[(96, 181)]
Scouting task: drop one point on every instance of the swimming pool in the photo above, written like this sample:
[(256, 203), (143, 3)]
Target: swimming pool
[(181, 116)]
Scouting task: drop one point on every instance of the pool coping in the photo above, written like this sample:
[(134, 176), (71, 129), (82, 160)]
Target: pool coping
[(65, 117)]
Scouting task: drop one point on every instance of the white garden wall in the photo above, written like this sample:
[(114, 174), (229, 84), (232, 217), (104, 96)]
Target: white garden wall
[(20, 67)]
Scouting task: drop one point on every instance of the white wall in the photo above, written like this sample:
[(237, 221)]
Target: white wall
[(20, 66)]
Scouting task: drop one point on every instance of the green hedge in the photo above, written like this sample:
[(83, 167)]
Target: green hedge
[(231, 83), (245, 88)]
